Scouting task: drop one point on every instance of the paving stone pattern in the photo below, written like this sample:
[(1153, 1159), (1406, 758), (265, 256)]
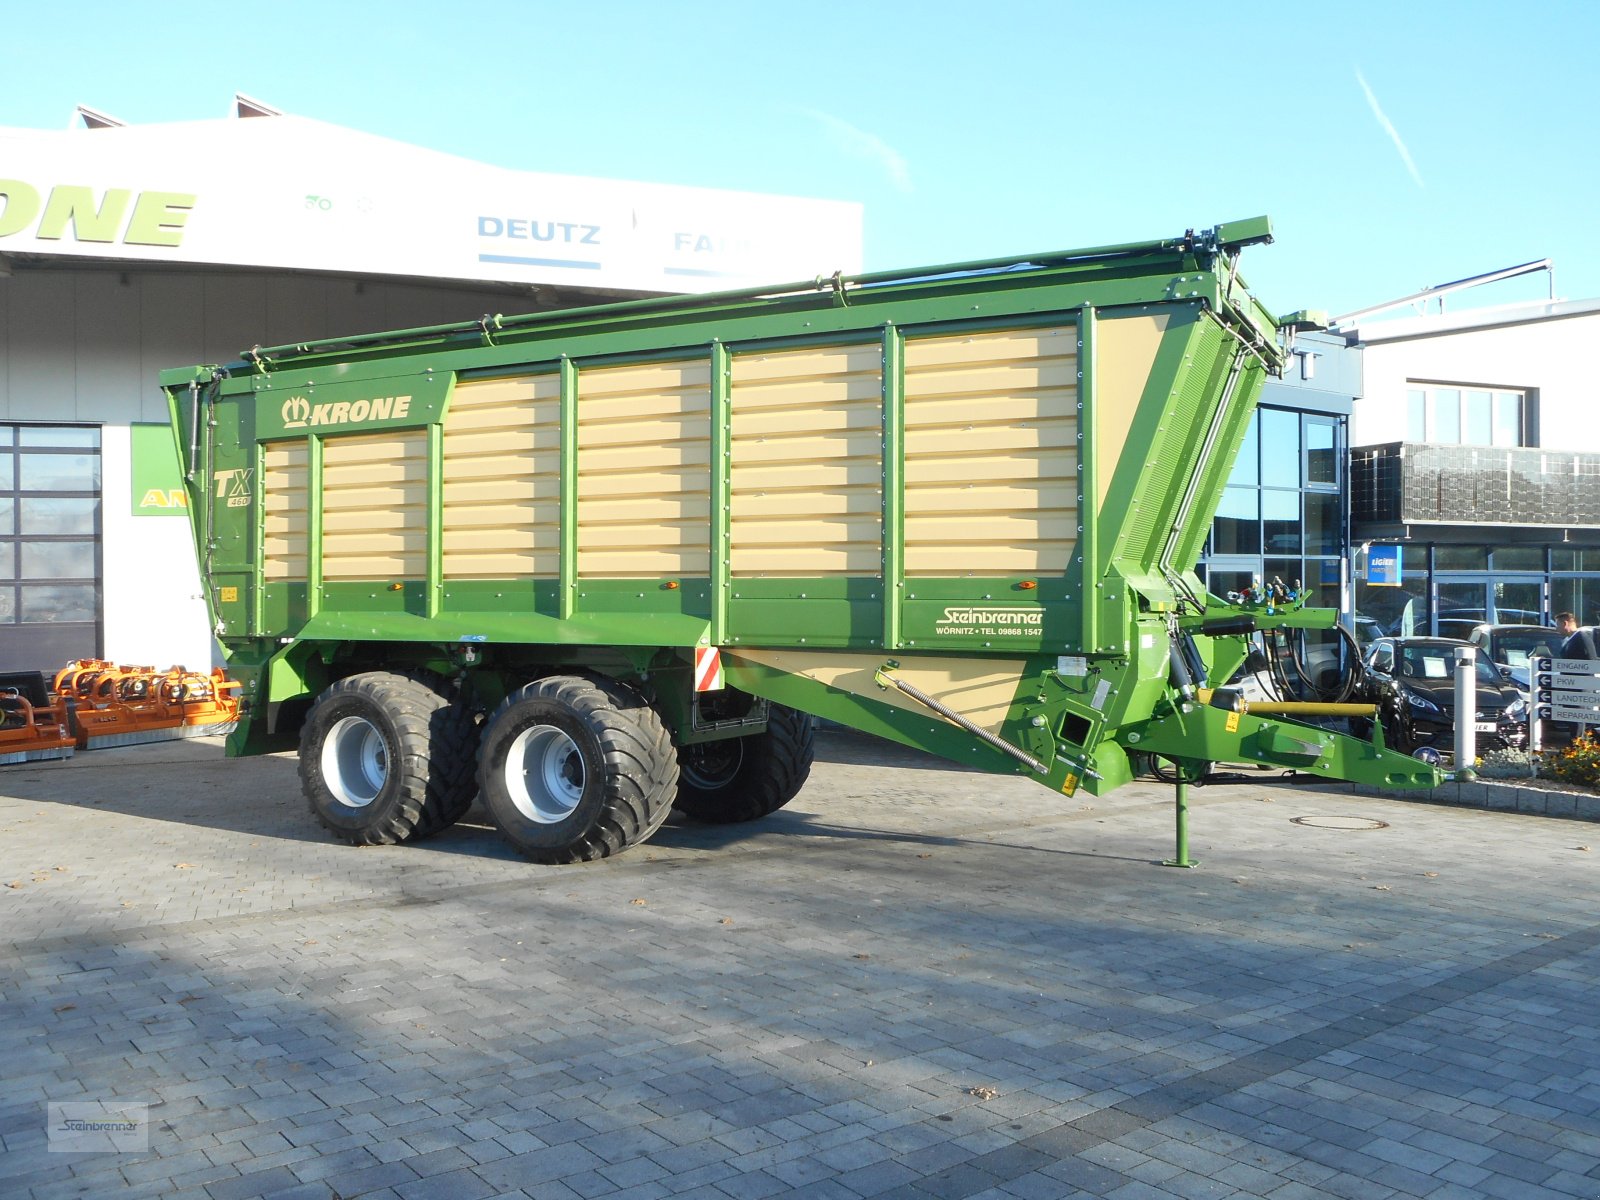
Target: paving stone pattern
[(914, 982)]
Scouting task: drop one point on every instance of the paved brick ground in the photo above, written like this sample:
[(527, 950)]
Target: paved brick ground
[(914, 982)]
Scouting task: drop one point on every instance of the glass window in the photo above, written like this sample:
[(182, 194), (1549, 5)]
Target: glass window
[(1246, 468), (1281, 525), (58, 560), (1238, 525), (1446, 416), (43, 516), (56, 603), (1323, 510), (58, 435), (1396, 611), (8, 606), (1460, 558), (1288, 570), (8, 477), (1518, 602), (59, 472), (1280, 448), (1519, 558), (1507, 419), (8, 514), (1220, 582), (1464, 416), (1322, 460), (1579, 596), (8, 435), (8, 563), (1477, 419)]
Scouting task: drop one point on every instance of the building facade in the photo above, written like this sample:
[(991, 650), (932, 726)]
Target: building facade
[(125, 250), (1284, 513), (1475, 473)]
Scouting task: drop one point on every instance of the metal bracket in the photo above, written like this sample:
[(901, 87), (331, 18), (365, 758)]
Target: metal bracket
[(836, 283)]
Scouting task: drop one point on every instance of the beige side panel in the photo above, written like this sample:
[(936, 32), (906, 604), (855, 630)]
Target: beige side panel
[(991, 452), (375, 506), (1125, 351), (644, 470), (980, 689), (502, 479), (807, 469), (283, 529)]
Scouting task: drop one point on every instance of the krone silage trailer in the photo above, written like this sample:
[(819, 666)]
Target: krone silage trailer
[(597, 564)]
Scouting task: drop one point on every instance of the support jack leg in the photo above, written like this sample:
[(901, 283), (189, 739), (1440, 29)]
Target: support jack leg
[(1181, 805)]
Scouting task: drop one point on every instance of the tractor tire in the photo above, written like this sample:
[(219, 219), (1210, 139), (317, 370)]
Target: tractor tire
[(744, 779), (374, 765), (453, 771), (574, 768)]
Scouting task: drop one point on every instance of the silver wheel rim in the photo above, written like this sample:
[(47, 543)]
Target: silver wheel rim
[(544, 774), (355, 762)]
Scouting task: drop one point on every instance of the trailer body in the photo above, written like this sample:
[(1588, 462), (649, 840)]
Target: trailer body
[(958, 507)]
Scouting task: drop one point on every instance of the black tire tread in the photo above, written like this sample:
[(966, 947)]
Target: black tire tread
[(641, 765), (774, 770), (453, 750), (410, 706)]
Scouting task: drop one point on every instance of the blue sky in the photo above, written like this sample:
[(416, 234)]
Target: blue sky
[(1395, 145)]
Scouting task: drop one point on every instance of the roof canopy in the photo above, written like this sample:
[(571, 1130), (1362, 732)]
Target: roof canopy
[(298, 194)]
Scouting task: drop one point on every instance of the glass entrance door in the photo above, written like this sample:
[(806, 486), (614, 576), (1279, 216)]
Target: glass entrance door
[(49, 545), (1463, 601)]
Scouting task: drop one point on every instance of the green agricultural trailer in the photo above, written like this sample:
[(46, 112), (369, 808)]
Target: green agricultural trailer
[(602, 563)]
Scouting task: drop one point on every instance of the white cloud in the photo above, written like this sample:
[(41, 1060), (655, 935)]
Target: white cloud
[(1388, 127), (858, 143)]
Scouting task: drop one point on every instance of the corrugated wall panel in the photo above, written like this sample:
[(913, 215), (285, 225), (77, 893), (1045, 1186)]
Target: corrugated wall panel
[(502, 479), (283, 529), (644, 470), (991, 452), (807, 473), (375, 506)]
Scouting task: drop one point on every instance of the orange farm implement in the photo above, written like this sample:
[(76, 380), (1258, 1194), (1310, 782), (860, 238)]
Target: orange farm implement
[(95, 705), (34, 724)]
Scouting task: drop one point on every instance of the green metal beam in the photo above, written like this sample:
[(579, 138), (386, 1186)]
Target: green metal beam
[(721, 489), (894, 492), (1088, 486), (568, 569)]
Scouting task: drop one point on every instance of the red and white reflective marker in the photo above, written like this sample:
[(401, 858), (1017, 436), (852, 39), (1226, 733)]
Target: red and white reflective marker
[(707, 669)]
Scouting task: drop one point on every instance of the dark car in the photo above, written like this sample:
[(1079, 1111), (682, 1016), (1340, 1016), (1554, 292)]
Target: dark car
[(1513, 645), (1413, 683)]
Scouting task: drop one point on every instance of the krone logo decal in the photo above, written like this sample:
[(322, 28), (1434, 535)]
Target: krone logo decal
[(296, 409)]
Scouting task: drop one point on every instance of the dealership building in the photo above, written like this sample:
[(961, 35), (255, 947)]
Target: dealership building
[(128, 249), (1427, 468)]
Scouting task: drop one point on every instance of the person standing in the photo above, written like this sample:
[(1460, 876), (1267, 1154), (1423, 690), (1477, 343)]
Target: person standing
[(1580, 641)]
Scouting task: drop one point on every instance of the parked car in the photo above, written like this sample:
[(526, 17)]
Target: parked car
[(1413, 683), (1513, 645)]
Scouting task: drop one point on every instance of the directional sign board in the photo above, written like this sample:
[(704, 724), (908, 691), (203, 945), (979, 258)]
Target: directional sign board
[(1568, 689)]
